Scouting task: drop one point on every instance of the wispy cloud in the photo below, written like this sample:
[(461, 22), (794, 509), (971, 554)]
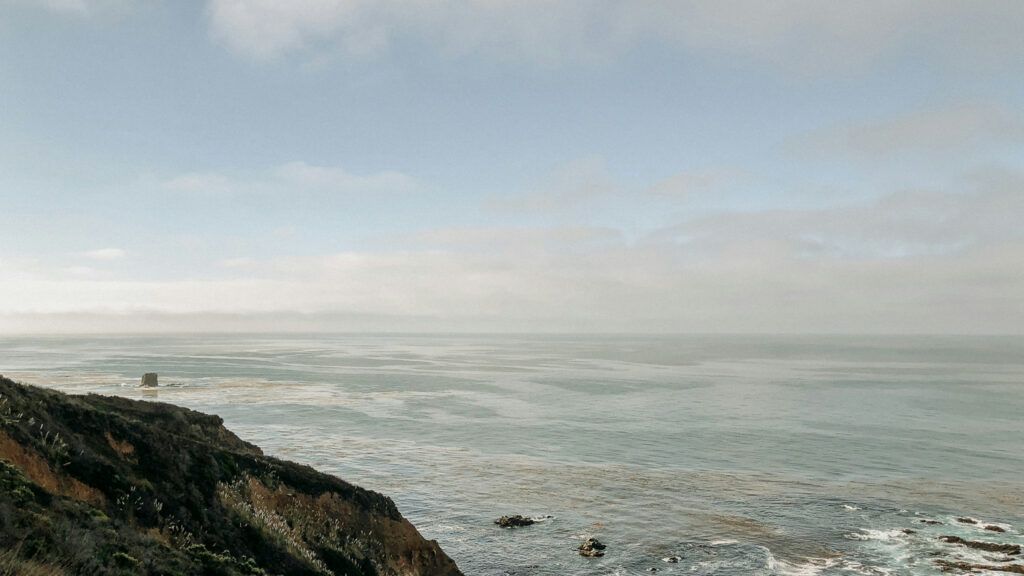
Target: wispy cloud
[(588, 183), (79, 7), (965, 128), (105, 254), (911, 261), (241, 262), (337, 179), (290, 178), (575, 31)]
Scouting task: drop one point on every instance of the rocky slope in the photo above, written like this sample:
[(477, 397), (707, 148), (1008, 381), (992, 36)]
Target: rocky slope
[(103, 485)]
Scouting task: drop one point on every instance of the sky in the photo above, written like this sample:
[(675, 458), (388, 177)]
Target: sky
[(794, 166)]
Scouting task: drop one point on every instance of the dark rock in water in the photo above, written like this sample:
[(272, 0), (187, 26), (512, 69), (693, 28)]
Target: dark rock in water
[(149, 380), (930, 522), (1010, 549), (522, 571), (514, 521), (102, 485), (967, 520), (948, 566), (672, 559), (652, 569), (994, 528), (909, 531), (592, 547)]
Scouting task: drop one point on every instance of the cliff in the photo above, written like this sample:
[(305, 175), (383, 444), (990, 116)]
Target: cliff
[(102, 485)]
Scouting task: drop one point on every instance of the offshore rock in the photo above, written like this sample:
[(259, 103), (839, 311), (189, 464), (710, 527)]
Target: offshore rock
[(1010, 549), (149, 380), (949, 566), (994, 528), (109, 486), (516, 521), (592, 547)]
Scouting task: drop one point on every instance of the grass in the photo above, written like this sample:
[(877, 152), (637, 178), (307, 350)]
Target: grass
[(11, 564)]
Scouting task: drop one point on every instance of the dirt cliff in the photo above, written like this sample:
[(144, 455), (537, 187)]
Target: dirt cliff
[(103, 485)]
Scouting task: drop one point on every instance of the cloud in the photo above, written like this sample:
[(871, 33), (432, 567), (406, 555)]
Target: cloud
[(570, 238), (201, 183), (929, 259), (337, 179), (587, 184), (581, 182), (553, 32), (290, 178), (105, 254), (979, 213), (66, 6), (79, 7), (945, 261), (241, 262), (954, 131)]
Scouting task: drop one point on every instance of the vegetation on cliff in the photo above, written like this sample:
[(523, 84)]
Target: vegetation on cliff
[(108, 486)]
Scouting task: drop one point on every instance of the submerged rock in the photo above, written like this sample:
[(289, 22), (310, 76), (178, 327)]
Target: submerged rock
[(103, 485), (930, 522), (149, 380), (1010, 549), (949, 566), (964, 520), (672, 559), (909, 531), (592, 547), (994, 528), (516, 521)]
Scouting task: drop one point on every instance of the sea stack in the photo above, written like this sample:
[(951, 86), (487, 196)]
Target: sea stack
[(149, 380)]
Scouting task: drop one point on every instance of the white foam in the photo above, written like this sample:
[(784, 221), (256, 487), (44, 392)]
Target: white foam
[(850, 507), (1007, 527), (880, 535), (867, 570), (809, 567)]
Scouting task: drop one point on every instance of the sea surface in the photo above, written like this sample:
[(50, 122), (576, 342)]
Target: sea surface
[(736, 454)]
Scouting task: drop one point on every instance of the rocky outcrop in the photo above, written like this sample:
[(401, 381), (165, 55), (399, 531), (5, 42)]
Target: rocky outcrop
[(515, 521), (1010, 549), (592, 547), (103, 485), (149, 380), (949, 566)]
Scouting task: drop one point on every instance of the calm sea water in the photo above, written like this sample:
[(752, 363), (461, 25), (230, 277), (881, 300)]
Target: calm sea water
[(739, 454)]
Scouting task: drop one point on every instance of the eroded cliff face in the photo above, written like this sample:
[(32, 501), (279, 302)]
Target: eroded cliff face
[(103, 485)]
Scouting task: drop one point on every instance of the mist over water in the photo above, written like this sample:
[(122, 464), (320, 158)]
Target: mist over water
[(739, 454)]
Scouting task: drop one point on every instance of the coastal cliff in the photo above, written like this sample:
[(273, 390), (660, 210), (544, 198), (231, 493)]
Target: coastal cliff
[(104, 485)]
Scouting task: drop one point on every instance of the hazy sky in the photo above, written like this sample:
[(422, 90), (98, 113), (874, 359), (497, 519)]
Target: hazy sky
[(570, 165)]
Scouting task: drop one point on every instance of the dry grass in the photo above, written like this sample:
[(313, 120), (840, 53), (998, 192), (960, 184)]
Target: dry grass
[(13, 565)]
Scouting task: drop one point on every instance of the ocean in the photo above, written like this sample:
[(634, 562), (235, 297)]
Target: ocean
[(732, 454)]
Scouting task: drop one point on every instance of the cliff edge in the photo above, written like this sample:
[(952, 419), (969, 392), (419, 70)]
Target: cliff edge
[(104, 485)]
